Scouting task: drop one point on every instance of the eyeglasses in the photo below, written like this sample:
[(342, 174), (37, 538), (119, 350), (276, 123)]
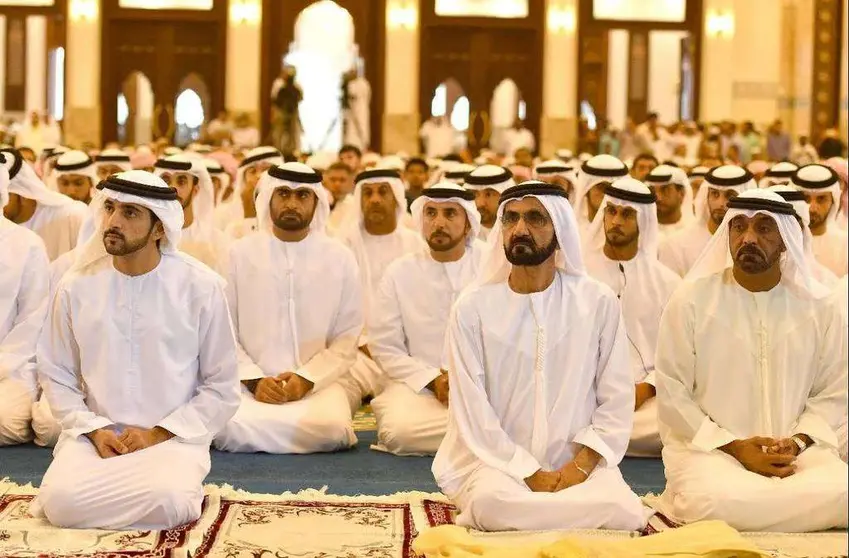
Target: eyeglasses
[(532, 218)]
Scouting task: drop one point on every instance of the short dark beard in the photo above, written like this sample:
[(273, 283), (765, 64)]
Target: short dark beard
[(293, 224), (453, 243), (754, 261), (532, 256), (622, 240), (126, 248), (188, 202)]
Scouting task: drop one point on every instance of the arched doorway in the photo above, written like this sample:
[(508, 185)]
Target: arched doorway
[(191, 109), (279, 37), (134, 114)]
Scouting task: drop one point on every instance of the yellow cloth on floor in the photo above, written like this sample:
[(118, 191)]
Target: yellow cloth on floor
[(706, 539)]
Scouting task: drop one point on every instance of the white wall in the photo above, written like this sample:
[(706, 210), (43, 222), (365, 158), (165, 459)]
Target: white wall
[(665, 74), (2, 63), (244, 45), (718, 54), (617, 77), (401, 89), (560, 66), (36, 64)]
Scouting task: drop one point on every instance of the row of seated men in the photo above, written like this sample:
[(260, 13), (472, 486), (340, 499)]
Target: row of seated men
[(144, 350)]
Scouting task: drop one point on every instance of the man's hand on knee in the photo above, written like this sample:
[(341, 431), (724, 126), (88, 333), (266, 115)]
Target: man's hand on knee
[(136, 439), (295, 387), (106, 443), (268, 390), (543, 481), (753, 455)]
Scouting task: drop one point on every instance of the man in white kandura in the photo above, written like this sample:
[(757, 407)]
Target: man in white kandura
[(409, 317), (487, 182), (295, 298), (75, 174), (111, 161), (622, 254), (200, 239), (558, 173), (751, 381), (542, 397), (236, 214), (674, 199), (138, 361), (821, 186), (23, 305), (680, 251), (593, 177), (841, 299), (52, 216), (779, 173)]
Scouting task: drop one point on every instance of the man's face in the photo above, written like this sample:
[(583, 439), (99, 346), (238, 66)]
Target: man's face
[(185, 184), (524, 158), (27, 155), (252, 176), (351, 159), (755, 243), (13, 209), (562, 182), (75, 186), (378, 203), (128, 227), (338, 182), (105, 170), (444, 225), (642, 168), (819, 206), (487, 202), (528, 232), (669, 198), (292, 210), (696, 183), (416, 177), (717, 201), (594, 198), (620, 225), (216, 185)]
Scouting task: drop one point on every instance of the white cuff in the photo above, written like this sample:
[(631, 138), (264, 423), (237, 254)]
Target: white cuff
[(710, 436)]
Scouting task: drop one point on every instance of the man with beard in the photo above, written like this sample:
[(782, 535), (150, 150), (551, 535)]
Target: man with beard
[(23, 292), (674, 198), (200, 239), (55, 218), (595, 175), (488, 182), (236, 215), (558, 173), (111, 161), (681, 250), (137, 359), (541, 398), (296, 305), (643, 164), (821, 187), (622, 254), (751, 381), (407, 333), (76, 176)]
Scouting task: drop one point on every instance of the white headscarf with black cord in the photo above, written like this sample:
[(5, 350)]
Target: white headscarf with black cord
[(113, 157), (668, 174), (443, 192), (76, 162), (817, 179), (601, 168), (726, 177), (230, 210), (779, 173), (24, 182)]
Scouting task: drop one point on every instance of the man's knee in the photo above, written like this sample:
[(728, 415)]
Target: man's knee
[(15, 424), (61, 503)]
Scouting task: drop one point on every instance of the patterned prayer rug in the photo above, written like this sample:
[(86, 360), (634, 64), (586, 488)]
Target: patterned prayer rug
[(364, 420)]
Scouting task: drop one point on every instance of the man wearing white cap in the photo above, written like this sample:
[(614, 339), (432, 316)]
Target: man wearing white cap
[(236, 215), (410, 314), (488, 182), (111, 161), (674, 198), (457, 173), (595, 175), (200, 239), (542, 398), (622, 254), (295, 300), (558, 173), (697, 176), (138, 361), (23, 306), (680, 251), (821, 187), (75, 174), (779, 173), (52, 216), (751, 381)]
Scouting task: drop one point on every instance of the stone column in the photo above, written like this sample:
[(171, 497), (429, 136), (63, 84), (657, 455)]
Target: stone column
[(559, 126), (82, 75), (244, 55), (401, 78)]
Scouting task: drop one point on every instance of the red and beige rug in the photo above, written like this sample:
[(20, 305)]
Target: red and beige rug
[(311, 523)]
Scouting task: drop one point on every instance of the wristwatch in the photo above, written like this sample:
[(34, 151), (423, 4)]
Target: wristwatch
[(800, 443)]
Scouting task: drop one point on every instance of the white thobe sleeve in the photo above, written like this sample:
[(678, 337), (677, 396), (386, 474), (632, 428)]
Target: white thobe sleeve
[(613, 419), (825, 409), (388, 341), (677, 408), (248, 369), (217, 397), (18, 347), (59, 371), (330, 364), (469, 407)]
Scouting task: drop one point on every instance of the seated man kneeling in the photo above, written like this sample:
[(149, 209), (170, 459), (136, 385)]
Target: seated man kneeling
[(542, 397), (137, 360), (410, 314), (296, 304), (751, 381)]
